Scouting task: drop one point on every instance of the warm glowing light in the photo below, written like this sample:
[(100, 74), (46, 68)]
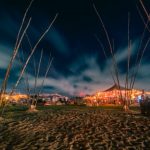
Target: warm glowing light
[(15, 97), (113, 96)]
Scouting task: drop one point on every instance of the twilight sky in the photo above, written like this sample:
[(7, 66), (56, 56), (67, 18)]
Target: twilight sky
[(79, 66)]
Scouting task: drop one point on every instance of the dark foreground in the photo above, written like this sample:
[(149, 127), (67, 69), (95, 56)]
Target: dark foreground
[(74, 128)]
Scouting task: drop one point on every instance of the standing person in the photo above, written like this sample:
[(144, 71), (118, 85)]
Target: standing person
[(142, 103)]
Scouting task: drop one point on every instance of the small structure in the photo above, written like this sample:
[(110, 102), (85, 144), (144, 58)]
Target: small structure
[(54, 99), (15, 98), (114, 95), (77, 101)]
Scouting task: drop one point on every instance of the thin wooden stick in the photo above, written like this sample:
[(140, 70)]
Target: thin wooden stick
[(138, 54), (147, 14), (133, 76), (102, 46), (38, 71), (147, 43), (45, 76), (115, 64), (17, 45), (46, 73), (116, 71), (32, 52), (128, 60), (110, 47), (20, 61), (129, 49), (34, 62), (4, 83), (106, 33), (142, 18), (22, 23), (26, 76)]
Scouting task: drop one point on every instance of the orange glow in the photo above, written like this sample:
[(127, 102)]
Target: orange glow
[(15, 97), (113, 97)]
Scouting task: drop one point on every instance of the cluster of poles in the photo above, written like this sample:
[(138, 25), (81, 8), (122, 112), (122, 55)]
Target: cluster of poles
[(22, 34), (131, 74)]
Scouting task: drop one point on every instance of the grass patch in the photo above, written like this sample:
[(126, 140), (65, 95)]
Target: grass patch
[(16, 108), (20, 111), (14, 111), (63, 107)]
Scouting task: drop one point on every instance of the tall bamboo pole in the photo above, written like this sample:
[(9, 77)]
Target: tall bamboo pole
[(17, 45), (4, 83), (111, 50), (102, 46), (45, 76), (139, 50), (144, 8), (139, 63), (142, 18), (128, 65), (46, 73), (38, 71), (34, 62)]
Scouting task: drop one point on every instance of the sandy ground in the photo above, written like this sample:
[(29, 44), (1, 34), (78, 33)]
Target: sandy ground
[(76, 129)]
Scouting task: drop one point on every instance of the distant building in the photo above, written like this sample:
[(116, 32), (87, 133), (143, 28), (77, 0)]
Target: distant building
[(14, 98), (54, 99)]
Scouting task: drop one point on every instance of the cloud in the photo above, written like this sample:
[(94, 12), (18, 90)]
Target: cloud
[(87, 76), (122, 53), (88, 81), (4, 56)]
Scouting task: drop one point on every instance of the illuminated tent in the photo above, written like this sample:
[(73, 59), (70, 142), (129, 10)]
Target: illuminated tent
[(113, 95), (115, 87)]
